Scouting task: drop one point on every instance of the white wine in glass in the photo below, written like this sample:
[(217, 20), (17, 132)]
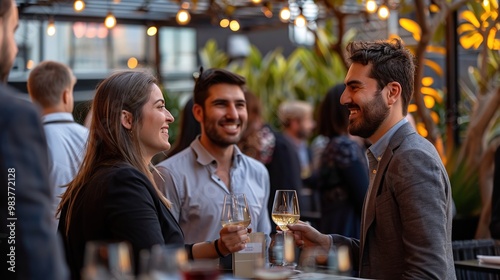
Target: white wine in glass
[(285, 208), (235, 210)]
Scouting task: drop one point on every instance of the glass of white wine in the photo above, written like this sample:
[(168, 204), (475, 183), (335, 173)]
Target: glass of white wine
[(285, 208), (235, 210), (285, 212)]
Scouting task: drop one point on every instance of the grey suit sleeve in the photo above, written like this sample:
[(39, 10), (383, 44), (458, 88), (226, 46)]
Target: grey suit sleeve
[(423, 195)]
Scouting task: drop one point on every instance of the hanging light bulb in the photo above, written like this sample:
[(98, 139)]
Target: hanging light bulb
[(383, 12), (224, 23), (256, 1), (183, 17), (51, 27), (300, 21), (110, 20), (285, 14), (79, 5), (234, 25), (371, 6), (152, 30)]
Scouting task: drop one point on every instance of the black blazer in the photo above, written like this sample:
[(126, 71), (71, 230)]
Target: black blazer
[(23, 163), (119, 204)]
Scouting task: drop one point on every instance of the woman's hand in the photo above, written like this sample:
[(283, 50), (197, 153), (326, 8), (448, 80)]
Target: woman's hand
[(233, 239), (306, 236)]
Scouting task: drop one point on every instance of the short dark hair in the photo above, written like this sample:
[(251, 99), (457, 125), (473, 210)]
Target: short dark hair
[(391, 62), (211, 77), (4, 7)]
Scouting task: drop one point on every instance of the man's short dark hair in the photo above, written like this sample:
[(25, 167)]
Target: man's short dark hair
[(391, 62), (211, 77)]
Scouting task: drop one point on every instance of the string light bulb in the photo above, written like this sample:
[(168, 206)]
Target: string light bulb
[(183, 17), (51, 27), (234, 25), (110, 20), (152, 30), (300, 21), (224, 23), (79, 5), (383, 12), (371, 6), (285, 14)]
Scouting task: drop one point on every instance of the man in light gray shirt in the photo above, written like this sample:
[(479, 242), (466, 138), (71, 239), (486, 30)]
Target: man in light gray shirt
[(196, 179), (50, 85)]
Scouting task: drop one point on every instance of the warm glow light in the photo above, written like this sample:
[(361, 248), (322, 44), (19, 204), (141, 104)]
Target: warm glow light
[(300, 21), (486, 3), (132, 62), (183, 17), (383, 12), (421, 129), (116, 1), (102, 32), (79, 29), (412, 108), (30, 64), (224, 23), (234, 25), (110, 20), (371, 6), (285, 14), (429, 101), (79, 5), (152, 30), (268, 13), (256, 1), (427, 81), (51, 28), (91, 31)]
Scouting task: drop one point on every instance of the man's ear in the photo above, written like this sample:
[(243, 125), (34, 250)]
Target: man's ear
[(198, 112), (394, 92), (127, 119)]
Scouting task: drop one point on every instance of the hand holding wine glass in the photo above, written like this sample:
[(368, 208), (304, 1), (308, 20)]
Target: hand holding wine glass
[(235, 210), (285, 208)]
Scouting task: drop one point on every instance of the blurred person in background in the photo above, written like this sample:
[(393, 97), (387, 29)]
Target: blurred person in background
[(50, 85), (298, 124), (342, 174), (257, 140), (29, 247), (114, 196)]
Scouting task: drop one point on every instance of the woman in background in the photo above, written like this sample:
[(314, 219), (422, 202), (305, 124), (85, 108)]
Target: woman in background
[(113, 196), (342, 174)]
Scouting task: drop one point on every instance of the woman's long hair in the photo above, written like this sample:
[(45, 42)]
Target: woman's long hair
[(109, 142)]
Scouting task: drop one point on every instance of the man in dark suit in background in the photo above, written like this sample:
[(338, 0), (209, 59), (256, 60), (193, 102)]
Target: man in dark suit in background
[(29, 246)]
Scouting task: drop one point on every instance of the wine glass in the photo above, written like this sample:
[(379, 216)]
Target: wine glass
[(107, 260), (285, 212), (285, 208), (235, 210)]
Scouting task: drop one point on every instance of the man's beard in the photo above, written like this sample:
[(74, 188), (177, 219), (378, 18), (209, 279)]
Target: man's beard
[(373, 114), (218, 139)]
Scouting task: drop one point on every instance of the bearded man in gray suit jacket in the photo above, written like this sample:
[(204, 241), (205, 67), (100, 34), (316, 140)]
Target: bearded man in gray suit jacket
[(407, 212)]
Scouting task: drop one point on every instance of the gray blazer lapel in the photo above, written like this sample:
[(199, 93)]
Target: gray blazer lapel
[(394, 143)]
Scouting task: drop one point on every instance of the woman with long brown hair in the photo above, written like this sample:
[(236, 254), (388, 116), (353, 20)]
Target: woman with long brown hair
[(113, 196)]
